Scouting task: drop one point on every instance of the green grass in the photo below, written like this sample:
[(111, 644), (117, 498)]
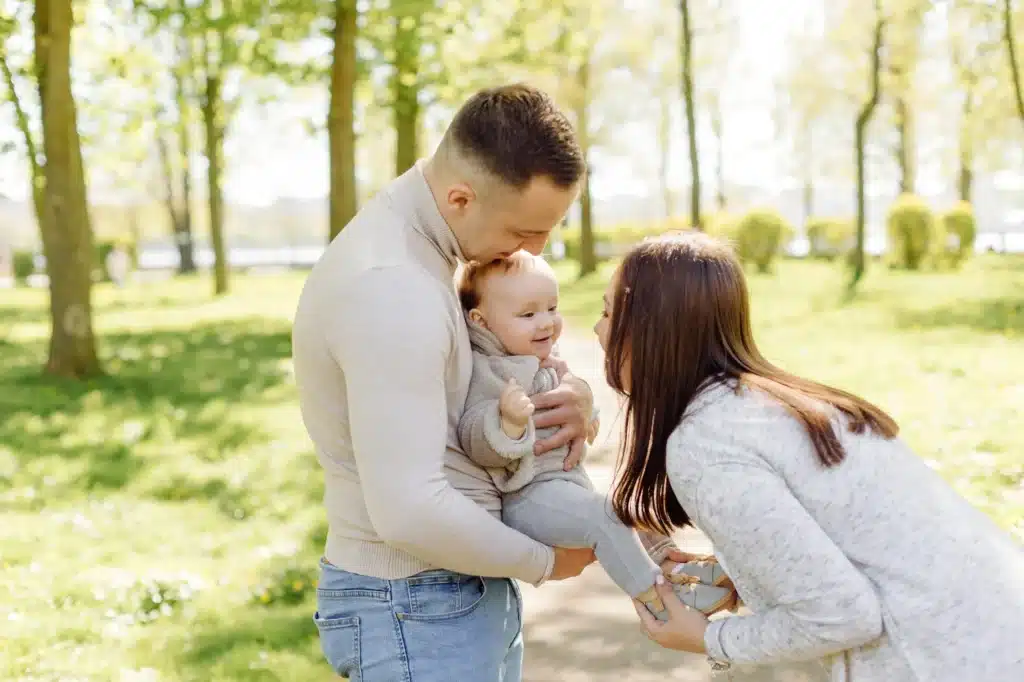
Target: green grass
[(163, 523)]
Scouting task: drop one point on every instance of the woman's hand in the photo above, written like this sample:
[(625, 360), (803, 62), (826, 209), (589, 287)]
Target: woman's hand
[(684, 629)]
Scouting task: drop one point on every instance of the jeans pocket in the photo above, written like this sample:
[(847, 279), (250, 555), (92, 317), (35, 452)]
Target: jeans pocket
[(339, 640), (443, 596)]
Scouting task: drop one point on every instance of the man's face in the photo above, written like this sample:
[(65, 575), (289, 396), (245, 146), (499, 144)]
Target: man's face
[(505, 220)]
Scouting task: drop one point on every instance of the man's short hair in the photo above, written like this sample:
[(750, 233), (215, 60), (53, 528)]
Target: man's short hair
[(516, 132)]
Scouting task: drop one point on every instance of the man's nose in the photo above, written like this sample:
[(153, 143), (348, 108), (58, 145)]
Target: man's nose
[(535, 245)]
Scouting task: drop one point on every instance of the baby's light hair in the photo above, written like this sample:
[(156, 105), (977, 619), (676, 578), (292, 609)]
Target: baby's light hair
[(473, 274)]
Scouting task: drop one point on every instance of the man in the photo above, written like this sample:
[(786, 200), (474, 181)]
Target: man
[(415, 576)]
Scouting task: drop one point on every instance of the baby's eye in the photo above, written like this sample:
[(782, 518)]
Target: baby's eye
[(553, 308), (527, 315)]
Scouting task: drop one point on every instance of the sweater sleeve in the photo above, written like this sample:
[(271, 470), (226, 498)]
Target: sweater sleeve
[(484, 440), (392, 336), (823, 604)]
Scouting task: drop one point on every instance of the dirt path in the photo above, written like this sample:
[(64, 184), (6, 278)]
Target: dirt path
[(585, 630)]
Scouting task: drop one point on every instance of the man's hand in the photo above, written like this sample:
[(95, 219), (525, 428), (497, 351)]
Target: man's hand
[(515, 409), (569, 407), (569, 563)]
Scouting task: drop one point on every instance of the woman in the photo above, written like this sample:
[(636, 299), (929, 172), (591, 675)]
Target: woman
[(841, 542)]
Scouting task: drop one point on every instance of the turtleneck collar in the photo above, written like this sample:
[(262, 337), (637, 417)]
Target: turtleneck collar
[(411, 193), (484, 340)]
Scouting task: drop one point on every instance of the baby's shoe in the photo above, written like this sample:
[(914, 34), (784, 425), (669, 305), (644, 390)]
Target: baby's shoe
[(705, 569), (707, 599)]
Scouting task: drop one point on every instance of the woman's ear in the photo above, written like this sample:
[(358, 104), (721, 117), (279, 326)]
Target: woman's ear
[(476, 317)]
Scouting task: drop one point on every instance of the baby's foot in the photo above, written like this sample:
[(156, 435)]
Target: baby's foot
[(706, 570)]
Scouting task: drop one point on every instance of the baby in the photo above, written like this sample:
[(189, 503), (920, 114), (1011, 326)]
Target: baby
[(512, 313)]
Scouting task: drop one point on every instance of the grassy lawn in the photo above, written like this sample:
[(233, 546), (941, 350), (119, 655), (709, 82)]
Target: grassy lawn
[(163, 523)]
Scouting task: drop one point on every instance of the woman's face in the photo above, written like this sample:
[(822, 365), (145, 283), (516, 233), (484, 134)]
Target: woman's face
[(601, 328)]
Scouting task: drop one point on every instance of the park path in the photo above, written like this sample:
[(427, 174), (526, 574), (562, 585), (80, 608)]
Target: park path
[(585, 629)]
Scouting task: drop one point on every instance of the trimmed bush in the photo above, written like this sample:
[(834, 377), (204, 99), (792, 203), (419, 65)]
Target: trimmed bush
[(957, 230), (102, 249), (830, 238), (911, 228), (24, 264), (760, 235)]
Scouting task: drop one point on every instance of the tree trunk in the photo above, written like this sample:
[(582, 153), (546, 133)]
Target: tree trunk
[(717, 128), (170, 201), (905, 149), (341, 120), (664, 144), (67, 235), (183, 227), (405, 87), (1011, 55), (212, 121), (691, 119), (588, 247), (860, 133), (965, 178)]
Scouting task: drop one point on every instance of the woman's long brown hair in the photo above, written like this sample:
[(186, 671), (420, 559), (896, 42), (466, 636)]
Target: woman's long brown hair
[(680, 318)]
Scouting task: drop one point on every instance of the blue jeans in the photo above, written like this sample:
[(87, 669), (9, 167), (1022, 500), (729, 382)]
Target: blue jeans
[(435, 626)]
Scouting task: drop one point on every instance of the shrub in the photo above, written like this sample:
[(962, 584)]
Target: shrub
[(957, 230), (102, 249), (760, 235), (911, 228), (24, 264), (830, 238)]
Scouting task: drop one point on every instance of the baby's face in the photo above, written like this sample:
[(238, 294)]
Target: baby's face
[(521, 309)]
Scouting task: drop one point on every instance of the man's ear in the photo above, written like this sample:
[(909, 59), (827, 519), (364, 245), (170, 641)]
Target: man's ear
[(476, 317), (460, 195)]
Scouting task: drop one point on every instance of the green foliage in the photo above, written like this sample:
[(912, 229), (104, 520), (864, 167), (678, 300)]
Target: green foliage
[(830, 238), (957, 230), (24, 265), (290, 583), (911, 230), (760, 236)]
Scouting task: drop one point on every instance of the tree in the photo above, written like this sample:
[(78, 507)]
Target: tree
[(37, 179), (974, 40), (686, 52), (1011, 56), (904, 52), (66, 232), (341, 117), (864, 116), (179, 202)]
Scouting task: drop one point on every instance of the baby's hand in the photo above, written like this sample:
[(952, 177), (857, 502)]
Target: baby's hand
[(515, 408), (556, 363)]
